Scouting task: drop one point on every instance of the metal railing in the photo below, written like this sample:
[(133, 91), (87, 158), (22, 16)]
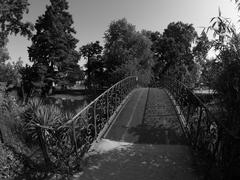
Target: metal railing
[(206, 133), (86, 125)]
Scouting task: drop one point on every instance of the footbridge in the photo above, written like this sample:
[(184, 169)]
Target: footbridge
[(162, 131)]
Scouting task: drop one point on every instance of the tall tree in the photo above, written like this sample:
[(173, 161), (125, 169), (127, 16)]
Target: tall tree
[(117, 43), (92, 53), (173, 48), (53, 45), (126, 51)]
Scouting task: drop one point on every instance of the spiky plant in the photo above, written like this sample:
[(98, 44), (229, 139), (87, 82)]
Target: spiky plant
[(39, 123)]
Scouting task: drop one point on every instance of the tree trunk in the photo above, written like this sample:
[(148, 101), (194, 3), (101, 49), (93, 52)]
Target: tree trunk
[(43, 147)]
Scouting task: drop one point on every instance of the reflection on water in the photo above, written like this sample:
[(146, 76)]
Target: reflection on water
[(69, 104)]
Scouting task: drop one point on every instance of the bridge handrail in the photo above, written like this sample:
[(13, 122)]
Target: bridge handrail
[(205, 107), (81, 131), (97, 98), (205, 131)]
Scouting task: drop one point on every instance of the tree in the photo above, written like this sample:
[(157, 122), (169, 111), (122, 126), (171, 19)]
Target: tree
[(200, 52), (53, 46), (202, 48), (173, 47), (94, 66), (126, 51), (77, 74), (117, 43), (4, 56), (226, 82), (10, 73), (29, 76), (11, 15)]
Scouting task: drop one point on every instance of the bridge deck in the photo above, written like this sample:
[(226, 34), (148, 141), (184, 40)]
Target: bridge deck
[(145, 142)]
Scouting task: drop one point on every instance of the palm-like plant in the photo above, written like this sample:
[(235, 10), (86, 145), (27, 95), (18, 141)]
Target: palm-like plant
[(39, 123)]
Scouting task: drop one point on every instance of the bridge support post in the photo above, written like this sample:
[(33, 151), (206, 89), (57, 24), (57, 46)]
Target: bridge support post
[(95, 120), (107, 103), (188, 114), (74, 138), (198, 127)]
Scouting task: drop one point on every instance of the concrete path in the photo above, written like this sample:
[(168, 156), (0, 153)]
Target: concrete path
[(146, 142)]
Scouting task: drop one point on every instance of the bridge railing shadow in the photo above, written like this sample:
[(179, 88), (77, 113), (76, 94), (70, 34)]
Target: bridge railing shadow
[(206, 133)]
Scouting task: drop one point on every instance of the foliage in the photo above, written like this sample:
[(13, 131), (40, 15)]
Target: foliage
[(237, 2), (4, 55), (117, 37), (9, 119), (226, 81), (11, 15), (202, 48), (210, 71), (43, 126), (11, 18), (76, 74), (37, 125), (11, 144), (28, 77), (53, 47), (173, 49), (126, 51), (10, 73), (39, 121), (220, 26), (10, 165), (94, 66)]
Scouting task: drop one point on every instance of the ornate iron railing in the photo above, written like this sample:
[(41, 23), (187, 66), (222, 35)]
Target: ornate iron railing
[(86, 125), (205, 132)]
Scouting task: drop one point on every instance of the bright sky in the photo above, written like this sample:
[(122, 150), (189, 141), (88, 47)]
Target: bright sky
[(92, 17)]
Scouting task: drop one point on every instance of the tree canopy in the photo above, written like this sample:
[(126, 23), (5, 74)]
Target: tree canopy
[(11, 22), (126, 51), (174, 47), (53, 45), (94, 66)]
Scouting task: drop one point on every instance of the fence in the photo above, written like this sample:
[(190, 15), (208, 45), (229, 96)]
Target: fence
[(206, 133), (86, 125)]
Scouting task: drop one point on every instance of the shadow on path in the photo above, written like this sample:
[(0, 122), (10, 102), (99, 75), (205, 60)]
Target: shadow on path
[(157, 135)]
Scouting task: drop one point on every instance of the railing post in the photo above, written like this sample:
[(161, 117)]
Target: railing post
[(74, 138), (107, 105), (115, 99), (188, 113), (198, 127), (122, 92), (137, 83), (95, 119)]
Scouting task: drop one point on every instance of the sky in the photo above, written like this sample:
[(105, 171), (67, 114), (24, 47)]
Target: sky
[(92, 17)]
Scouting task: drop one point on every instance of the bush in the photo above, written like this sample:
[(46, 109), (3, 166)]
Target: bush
[(10, 165), (42, 126)]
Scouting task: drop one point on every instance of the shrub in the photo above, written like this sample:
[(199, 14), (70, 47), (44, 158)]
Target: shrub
[(42, 126)]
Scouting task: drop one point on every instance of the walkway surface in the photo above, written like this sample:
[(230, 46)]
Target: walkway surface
[(145, 142)]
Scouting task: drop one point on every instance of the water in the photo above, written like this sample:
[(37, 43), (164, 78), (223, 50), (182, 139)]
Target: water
[(68, 103)]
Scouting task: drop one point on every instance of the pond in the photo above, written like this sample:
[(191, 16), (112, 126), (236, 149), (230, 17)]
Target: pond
[(69, 103)]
